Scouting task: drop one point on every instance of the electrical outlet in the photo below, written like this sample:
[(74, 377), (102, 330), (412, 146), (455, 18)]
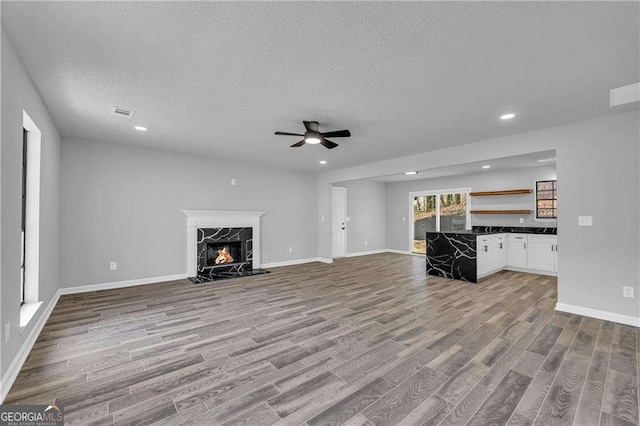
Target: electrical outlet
[(233, 182), (366, 243), (522, 220), (627, 291), (404, 219), (321, 218), (7, 332), (290, 249), (113, 266), (348, 219), (585, 220)]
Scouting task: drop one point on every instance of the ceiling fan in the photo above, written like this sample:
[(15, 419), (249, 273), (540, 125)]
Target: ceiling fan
[(313, 136)]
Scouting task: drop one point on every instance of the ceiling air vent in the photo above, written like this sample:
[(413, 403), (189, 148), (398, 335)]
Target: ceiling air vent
[(122, 112)]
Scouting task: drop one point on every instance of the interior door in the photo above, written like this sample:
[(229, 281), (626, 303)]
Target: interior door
[(339, 221)]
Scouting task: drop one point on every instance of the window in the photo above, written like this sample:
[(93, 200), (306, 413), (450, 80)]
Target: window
[(30, 220), (547, 199), (438, 211), (24, 216)]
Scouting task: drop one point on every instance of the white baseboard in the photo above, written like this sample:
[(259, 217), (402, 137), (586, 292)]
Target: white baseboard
[(595, 313), (16, 365), (121, 284), (366, 253), (324, 260), (400, 251), (289, 262), (531, 271)]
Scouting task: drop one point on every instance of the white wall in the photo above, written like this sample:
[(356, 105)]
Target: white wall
[(398, 204), (18, 94), (597, 160), (122, 203), (367, 213)]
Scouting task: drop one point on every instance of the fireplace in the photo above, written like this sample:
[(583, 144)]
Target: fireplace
[(235, 233), (223, 251)]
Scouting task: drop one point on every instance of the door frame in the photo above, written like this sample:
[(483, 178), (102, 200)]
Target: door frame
[(437, 192), (334, 190)]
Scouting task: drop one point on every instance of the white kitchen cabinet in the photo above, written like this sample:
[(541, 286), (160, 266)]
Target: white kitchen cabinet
[(517, 250), (542, 254), (492, 253), (484, 259), (500, 244)]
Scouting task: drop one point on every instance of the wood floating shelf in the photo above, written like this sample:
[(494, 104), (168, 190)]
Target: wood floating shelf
[(501, 211), (504, 192)]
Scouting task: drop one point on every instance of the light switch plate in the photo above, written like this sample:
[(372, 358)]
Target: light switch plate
[(522, 220), (233, 182), (113, 266), (585, 220), (627, 291)]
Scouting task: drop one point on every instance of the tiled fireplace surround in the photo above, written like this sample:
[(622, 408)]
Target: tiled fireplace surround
[(207, 226)]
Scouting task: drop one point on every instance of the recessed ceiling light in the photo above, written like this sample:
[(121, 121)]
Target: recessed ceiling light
[(410, 173), (508, 116), (547, 160), (486, 167), (142, 129), (323, 161), (312, 140)]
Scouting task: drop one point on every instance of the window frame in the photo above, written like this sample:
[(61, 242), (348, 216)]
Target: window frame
[(437, 194), (555, 198), (23, 270)]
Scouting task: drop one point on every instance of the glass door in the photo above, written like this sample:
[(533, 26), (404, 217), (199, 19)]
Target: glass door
[(440, 211), (424, 220), (453, 212)]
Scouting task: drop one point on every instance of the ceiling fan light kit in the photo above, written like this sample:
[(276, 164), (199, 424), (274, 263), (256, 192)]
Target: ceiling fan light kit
[(313, 136)]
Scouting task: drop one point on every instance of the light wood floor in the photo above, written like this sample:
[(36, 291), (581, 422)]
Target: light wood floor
[(368, 340)]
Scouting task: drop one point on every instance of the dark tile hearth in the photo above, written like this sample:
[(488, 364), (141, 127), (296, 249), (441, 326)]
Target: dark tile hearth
[(226, 275)]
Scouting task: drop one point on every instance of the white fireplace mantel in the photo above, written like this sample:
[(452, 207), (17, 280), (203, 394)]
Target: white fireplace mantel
[(220, 219)]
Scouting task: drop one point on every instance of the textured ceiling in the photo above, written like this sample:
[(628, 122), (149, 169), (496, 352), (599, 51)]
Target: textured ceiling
[(220, 78)]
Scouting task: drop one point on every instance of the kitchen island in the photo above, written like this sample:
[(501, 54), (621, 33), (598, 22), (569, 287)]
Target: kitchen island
[(472, 254)]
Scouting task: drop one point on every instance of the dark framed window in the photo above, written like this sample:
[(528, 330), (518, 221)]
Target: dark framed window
[(546, 199), (24, 215)]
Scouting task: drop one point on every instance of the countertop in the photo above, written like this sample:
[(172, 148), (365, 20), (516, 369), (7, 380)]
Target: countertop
[(466, 232), (488, 230)]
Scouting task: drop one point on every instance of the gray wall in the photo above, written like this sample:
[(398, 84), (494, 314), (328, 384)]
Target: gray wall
[(367, 213), (398, 199), (598, 175), (18, 94), (598, 160), (122, 203)]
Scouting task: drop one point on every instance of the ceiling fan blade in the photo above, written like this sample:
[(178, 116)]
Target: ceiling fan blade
[(296, 145), (328, 144), (337, 134), (288, 134), (311, 126)]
